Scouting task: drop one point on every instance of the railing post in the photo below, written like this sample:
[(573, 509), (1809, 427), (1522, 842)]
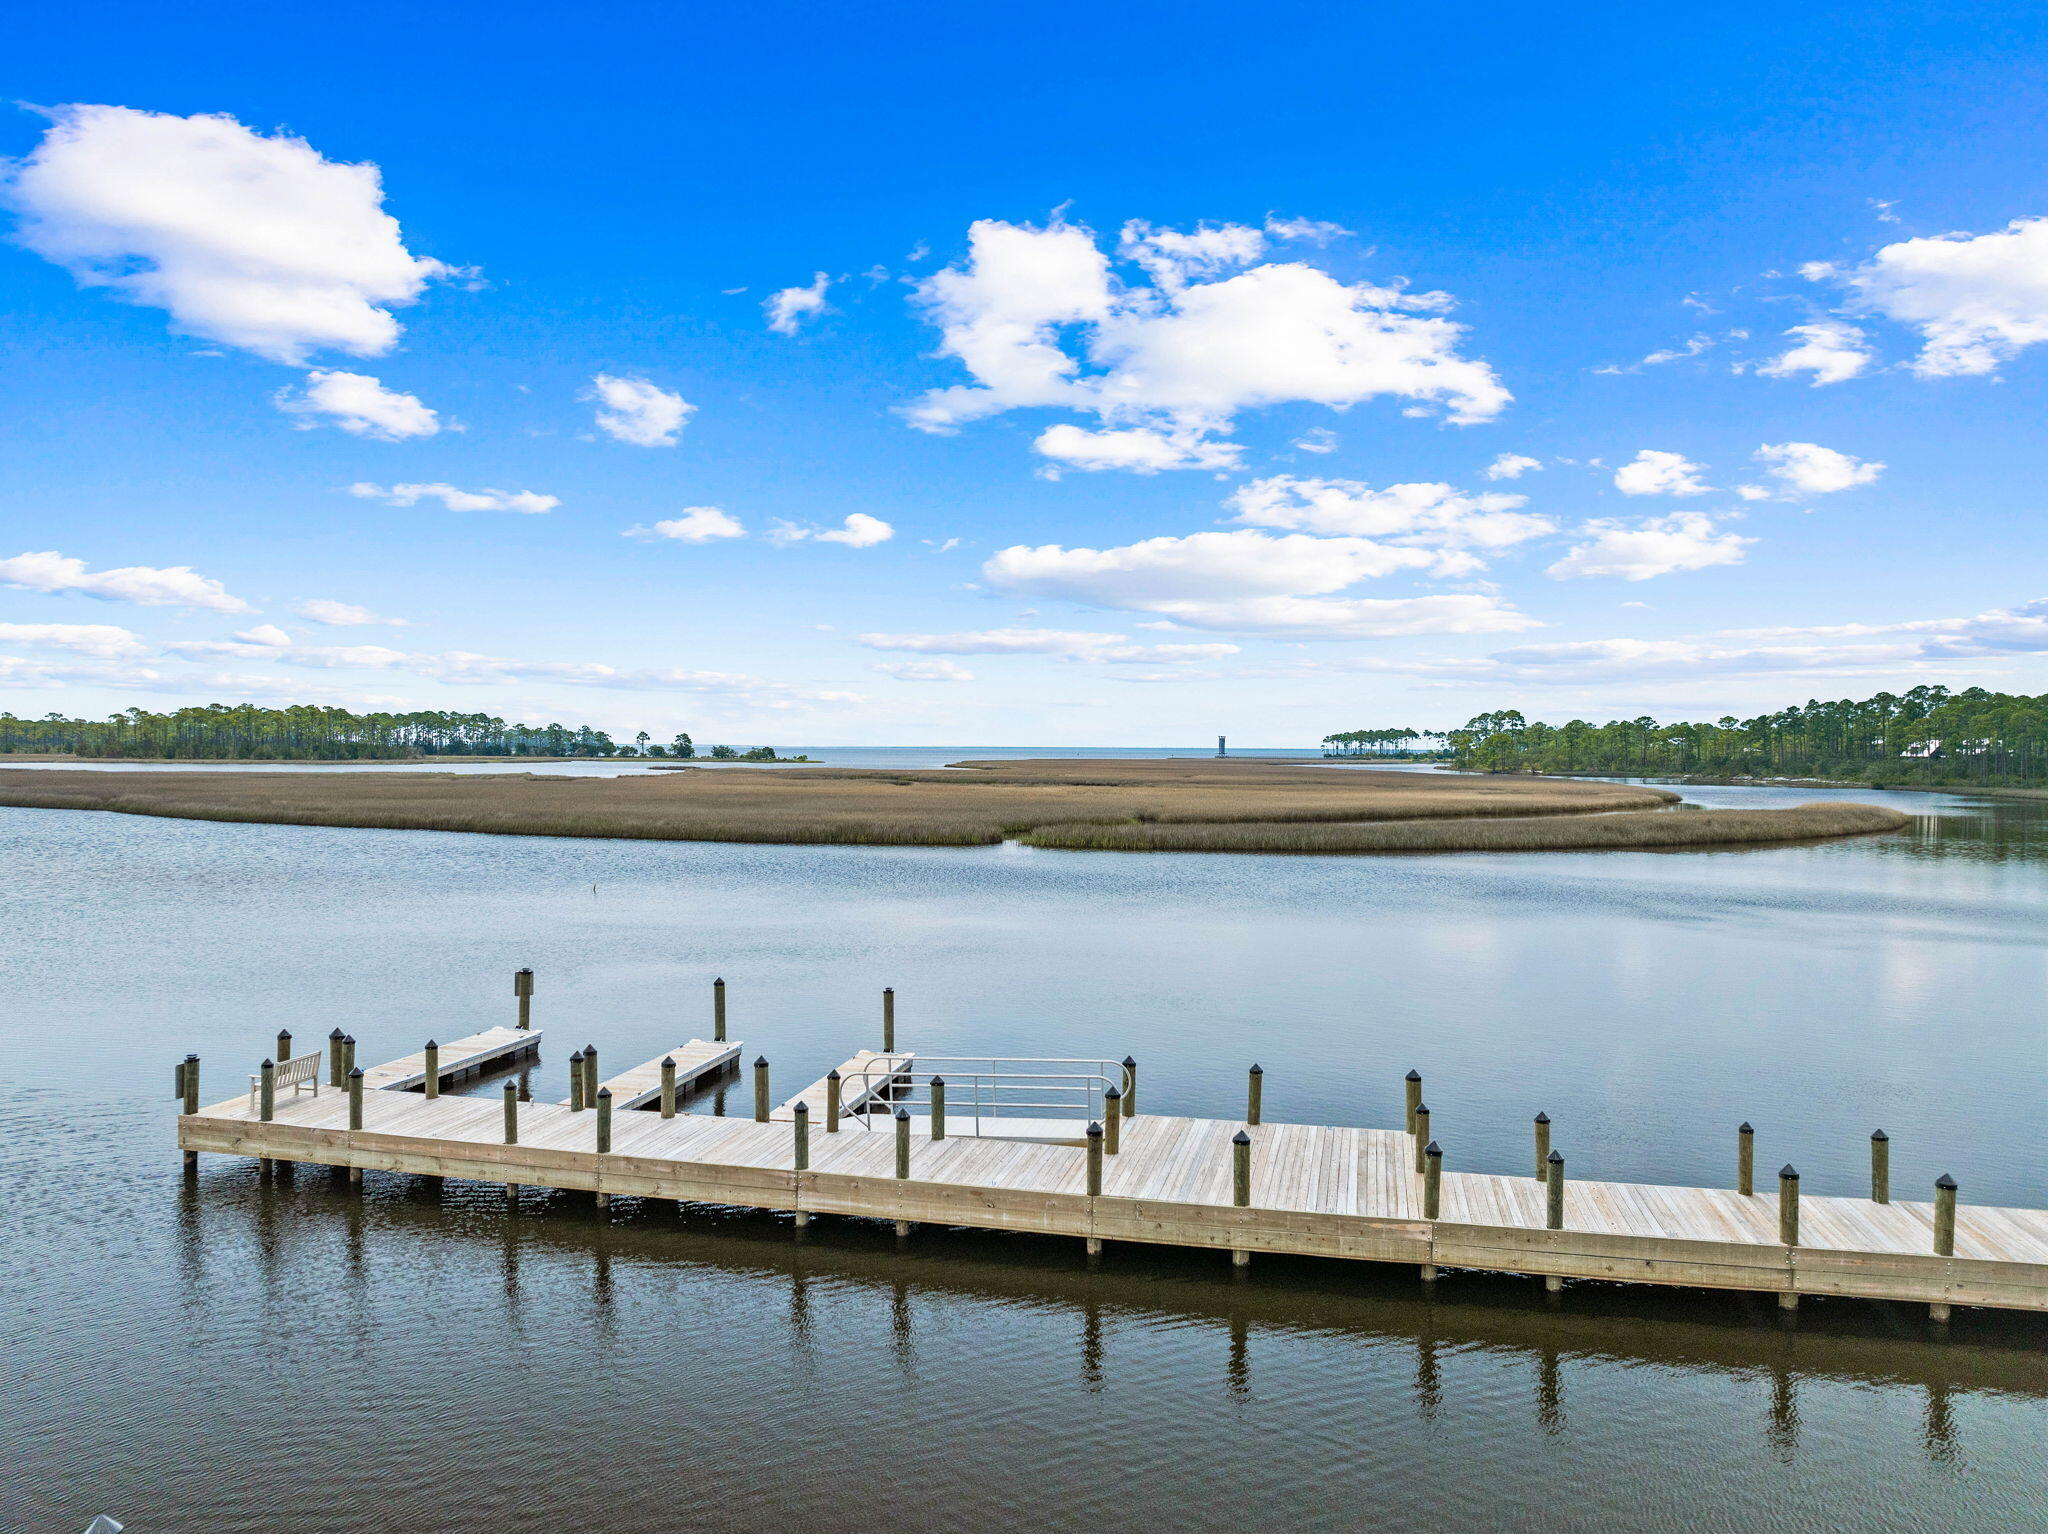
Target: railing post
[(718, 1010), (760, 1089), (590, 1074), (284, 1045), (1411, 1099), (1880, 1167), (1421, 1136), (576, 1082), (267, 1091), (335, 1068), (888, 1020), (668, 1087), (1112, 1120), (1254, 1092), (433, 1070), (1944, 1216), (522, 987), (938, 1107), (1745, 1160), (511, 1113), (1542, 1144), (189, 1082), (1240, 1188), (832, 1091), (1432, 1180), (1130, 1087)]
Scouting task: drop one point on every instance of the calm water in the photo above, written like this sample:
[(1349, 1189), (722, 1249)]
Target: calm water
[(233, 1355)]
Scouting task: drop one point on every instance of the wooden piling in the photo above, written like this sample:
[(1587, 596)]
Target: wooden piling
[(760, 1089), (178, 1080), (336, 1070), (1412, 1099), (888, 1020), (590, 1074), (1788, 1205), (1745, 1160), (1880, 1167), (902, 1142), (1542, 1145), (832, 1101), (718, 1010), (284, 1046), (348, 1051), (604, 1121), (1254, 1093), (802, 1116), (1553, 1191), (1112, 1120), (668, 1087), (1421, 1133), (355, 1097), (433, 1071), (511, 1113), (1432, 1180), (938, 1107), (522, 988), (189, 1082), (1094, 1160), (1130, 1098), (1240, 1187), (267, 1098), (1944, 1216), (576, 1082)]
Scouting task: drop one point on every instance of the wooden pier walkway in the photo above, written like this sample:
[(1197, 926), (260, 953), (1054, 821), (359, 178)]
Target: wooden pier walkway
[(695, 1061), (1313, 1190)]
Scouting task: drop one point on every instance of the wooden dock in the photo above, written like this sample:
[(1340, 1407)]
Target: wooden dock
[(695, 1062), (1313, 1190)]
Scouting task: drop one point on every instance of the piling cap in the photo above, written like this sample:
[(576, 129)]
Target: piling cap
[(604, 1093), (1113, 1092), (1094, 1131), (1240, 1138), (590, 1049), (1258, 1070), (348, 1038), (1432, 1149), (759, 1061), (1129, 1063), (1543, 1118), (575, 1057), (432, 1045), (938, 1081), (802, 1110), (190, 1058), (833, 1074), (1556, 1158), (357, 1075), (1879, 1134), (903, 1115), (269, 1065), (668, 1062), (1421, 1110), (1946, 1183), (1744, 1129), (511, 1087), (1414, 1076), (1788, 1173), (888, 990), (718, 982), (335, 1035)]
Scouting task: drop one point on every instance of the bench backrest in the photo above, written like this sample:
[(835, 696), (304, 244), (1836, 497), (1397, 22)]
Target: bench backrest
[(298, 1070)]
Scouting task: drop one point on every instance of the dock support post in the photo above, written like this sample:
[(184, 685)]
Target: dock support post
[(938, 1107), (188, 1084), (1112, 1120), (1542, 1145), (336, 1070), (1421, 1121), (522, 987), (355, 1110), (832, 1090), (590, 1074), (433, 1072), (1412, 1100), (668, 1087), (1130, 1087), (284, 1046), (1432, 1180), (718, 1010), (1254, 1094), (1944, 1216), (1095, 1136), (803, 1152), (511, 1113), (576, 1082), (267, 1091), (760, 1089), (888, 1019), (1745, 1160), (348, 1052), (1553, 1206), (1788, 1205), (902, 1158), (1880, 1167), (604, 1137), (1241, 1188)]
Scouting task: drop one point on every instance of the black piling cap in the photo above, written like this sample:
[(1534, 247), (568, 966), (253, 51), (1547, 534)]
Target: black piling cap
[(1240, 1138), (1744, 1129), (1110, 1092), (938, 1081), (1129, 1063), (1879, 1134), (1788, 1173), (348, 1038), (1414, 1075), (718, 982), (1556, 1158), (1946, 1183), (888, 990), (511, 1087), (1543, 1118), (590, 1049), (759, 1061), (1258, 1070), (357, 1075), (833, 1074), (576, 1057), (1432, 1149), (269, 1065), (335, 1035), (605, 1093), (190, 1058), (1421, 1109), (903, 1115), (802, 1110), (668, 1061), (432, 1045), (1094, 1131)]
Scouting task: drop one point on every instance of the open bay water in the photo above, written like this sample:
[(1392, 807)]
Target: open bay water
[(232, 1354)]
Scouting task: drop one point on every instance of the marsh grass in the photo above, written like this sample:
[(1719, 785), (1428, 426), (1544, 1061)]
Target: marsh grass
[(1190, 804)]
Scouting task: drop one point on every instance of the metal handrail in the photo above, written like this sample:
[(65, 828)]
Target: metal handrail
[(982, 1087)]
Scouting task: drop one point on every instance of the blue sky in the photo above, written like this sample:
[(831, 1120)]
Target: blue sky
[(1174, 370)]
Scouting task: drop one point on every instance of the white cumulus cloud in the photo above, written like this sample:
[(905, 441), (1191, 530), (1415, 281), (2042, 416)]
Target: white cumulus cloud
[(1653, 473), (176, 586), (254, 241), (1975, 299), (1040, 317), (104, 640), (1636, 551), (923, 671), (1831, 350), (1071, 644), (637, 411), (526, 501), (697, 524), (1810, 469), (1140, 449), (343, 614), (1511, 466), (1424, 515), (788, 308), (360, 406), (856, 531)]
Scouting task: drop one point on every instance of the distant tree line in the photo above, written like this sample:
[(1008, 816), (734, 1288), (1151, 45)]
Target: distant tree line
[(305, 732), (1927, 735), (1399, 742)]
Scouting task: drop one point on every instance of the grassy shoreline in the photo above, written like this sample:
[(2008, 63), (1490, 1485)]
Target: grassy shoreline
[(1172, 804)]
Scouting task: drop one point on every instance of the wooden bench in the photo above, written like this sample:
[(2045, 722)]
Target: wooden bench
[(298, 1073)]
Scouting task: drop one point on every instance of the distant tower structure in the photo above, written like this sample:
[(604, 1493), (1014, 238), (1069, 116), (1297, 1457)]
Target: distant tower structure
[(1219, 747)]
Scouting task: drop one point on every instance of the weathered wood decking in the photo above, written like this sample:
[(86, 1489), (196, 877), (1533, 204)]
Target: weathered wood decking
[(695, 1061), (1315, 1190)]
